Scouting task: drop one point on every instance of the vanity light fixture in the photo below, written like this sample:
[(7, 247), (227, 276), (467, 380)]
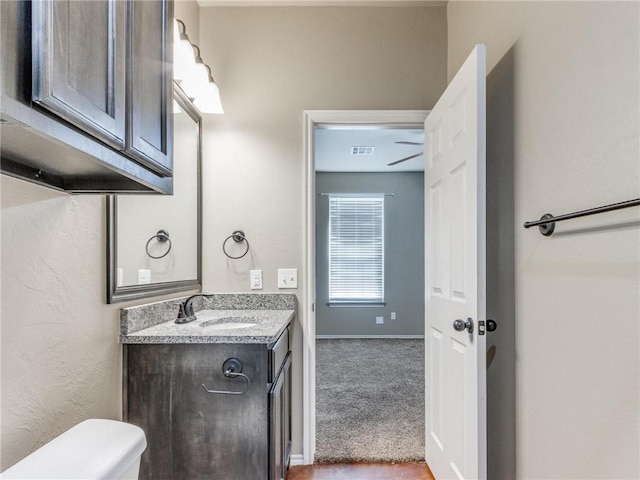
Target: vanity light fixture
[(192, 74)]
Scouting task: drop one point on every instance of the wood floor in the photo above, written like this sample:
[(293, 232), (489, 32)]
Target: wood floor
[(361, 471)]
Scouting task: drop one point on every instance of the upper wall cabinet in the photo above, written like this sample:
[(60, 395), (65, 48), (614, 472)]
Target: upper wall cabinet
[(86, 94)]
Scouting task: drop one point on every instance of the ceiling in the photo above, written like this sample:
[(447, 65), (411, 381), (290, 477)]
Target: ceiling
[(333, 149), (316, 3)]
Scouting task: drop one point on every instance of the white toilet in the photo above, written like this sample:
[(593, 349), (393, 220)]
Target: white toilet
[(93, 449)]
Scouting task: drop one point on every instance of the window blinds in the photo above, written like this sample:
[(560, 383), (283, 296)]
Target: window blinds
[(356, 249)]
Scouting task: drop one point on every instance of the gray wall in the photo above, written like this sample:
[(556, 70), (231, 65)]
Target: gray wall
[(272, 64), (404, 256), (562, 135)]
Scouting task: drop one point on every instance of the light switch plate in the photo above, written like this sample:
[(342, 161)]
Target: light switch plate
[(256, 279), (379, 320), (144, 276), (287, 278)]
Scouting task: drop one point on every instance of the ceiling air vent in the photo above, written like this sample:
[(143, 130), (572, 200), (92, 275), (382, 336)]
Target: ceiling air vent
[(362, 150)]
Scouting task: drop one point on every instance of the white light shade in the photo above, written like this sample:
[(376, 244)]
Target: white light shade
[(209, 101), (195, 82), (183, 59)]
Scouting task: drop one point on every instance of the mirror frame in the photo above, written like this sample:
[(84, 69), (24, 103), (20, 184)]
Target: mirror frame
[(115, 293)]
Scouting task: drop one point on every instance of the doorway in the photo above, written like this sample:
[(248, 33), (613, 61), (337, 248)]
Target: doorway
[(330, 120)]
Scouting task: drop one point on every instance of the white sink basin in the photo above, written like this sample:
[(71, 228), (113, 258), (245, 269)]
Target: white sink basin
[(228, 323)]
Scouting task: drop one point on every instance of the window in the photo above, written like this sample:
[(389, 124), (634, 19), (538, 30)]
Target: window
[(356, 248)]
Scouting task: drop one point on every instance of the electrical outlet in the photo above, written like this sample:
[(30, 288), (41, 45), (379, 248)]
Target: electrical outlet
[(287, 278), (393, 315), (379, 320), (256, 279), (144, 276)]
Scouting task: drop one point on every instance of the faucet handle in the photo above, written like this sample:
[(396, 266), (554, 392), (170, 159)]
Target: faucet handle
[(183, 316), (188, 308)]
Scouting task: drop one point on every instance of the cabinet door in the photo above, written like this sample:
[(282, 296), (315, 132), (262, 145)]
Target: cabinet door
[(192, 434), (78, 64), (280, 423), (150, 84)]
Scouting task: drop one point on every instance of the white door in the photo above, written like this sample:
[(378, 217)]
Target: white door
[(455, 357)]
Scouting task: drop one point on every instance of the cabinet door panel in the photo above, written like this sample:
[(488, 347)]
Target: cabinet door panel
[(192, 434), (150, 84), (286, 419), (279, 423), (79, 64)]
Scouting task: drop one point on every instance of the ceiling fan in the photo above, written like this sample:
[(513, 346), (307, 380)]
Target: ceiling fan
[(406, 158)]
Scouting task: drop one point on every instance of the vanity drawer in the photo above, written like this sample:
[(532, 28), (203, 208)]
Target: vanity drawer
[(277, 354)]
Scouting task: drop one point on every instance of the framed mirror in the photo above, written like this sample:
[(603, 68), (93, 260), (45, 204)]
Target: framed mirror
[(154, 244)]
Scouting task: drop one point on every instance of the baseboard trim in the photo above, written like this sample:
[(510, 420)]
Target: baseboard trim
[(296, 460), (331, 337)]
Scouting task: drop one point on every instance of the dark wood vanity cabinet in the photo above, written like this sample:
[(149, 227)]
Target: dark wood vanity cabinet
[(87, 94), (192, 434)]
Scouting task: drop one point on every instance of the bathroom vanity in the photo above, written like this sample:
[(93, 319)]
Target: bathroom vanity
[(214, 395)]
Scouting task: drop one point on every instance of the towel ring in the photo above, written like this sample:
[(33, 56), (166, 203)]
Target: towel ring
[(162, 236), (238, 236)]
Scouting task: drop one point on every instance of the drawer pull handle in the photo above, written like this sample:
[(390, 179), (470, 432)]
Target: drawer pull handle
[(229, 368)]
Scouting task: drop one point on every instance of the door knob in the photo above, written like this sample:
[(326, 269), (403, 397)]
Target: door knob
[(491, 325), (460, 325)]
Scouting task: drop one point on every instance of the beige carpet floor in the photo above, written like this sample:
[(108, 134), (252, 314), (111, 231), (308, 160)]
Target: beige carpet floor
[(369, 400)]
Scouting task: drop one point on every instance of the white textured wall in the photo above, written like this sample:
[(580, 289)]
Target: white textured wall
[(271, 65), (60, 353), (564, 123), (60, 358)]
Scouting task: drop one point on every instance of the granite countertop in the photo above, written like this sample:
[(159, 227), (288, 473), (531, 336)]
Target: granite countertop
[(155, 323), (270, 324)]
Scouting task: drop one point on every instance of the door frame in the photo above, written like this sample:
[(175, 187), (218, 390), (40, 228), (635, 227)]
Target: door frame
[(382, 118)]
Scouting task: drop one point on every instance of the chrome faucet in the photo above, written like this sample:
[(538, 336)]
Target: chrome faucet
[(186, 313)]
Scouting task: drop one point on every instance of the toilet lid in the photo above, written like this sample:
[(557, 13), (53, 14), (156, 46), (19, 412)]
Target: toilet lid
[(93, 449)]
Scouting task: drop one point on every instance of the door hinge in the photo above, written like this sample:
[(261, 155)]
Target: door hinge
[(481, 327)]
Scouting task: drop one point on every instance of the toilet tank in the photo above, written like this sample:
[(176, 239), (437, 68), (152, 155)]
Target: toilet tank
[(93, 449)]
